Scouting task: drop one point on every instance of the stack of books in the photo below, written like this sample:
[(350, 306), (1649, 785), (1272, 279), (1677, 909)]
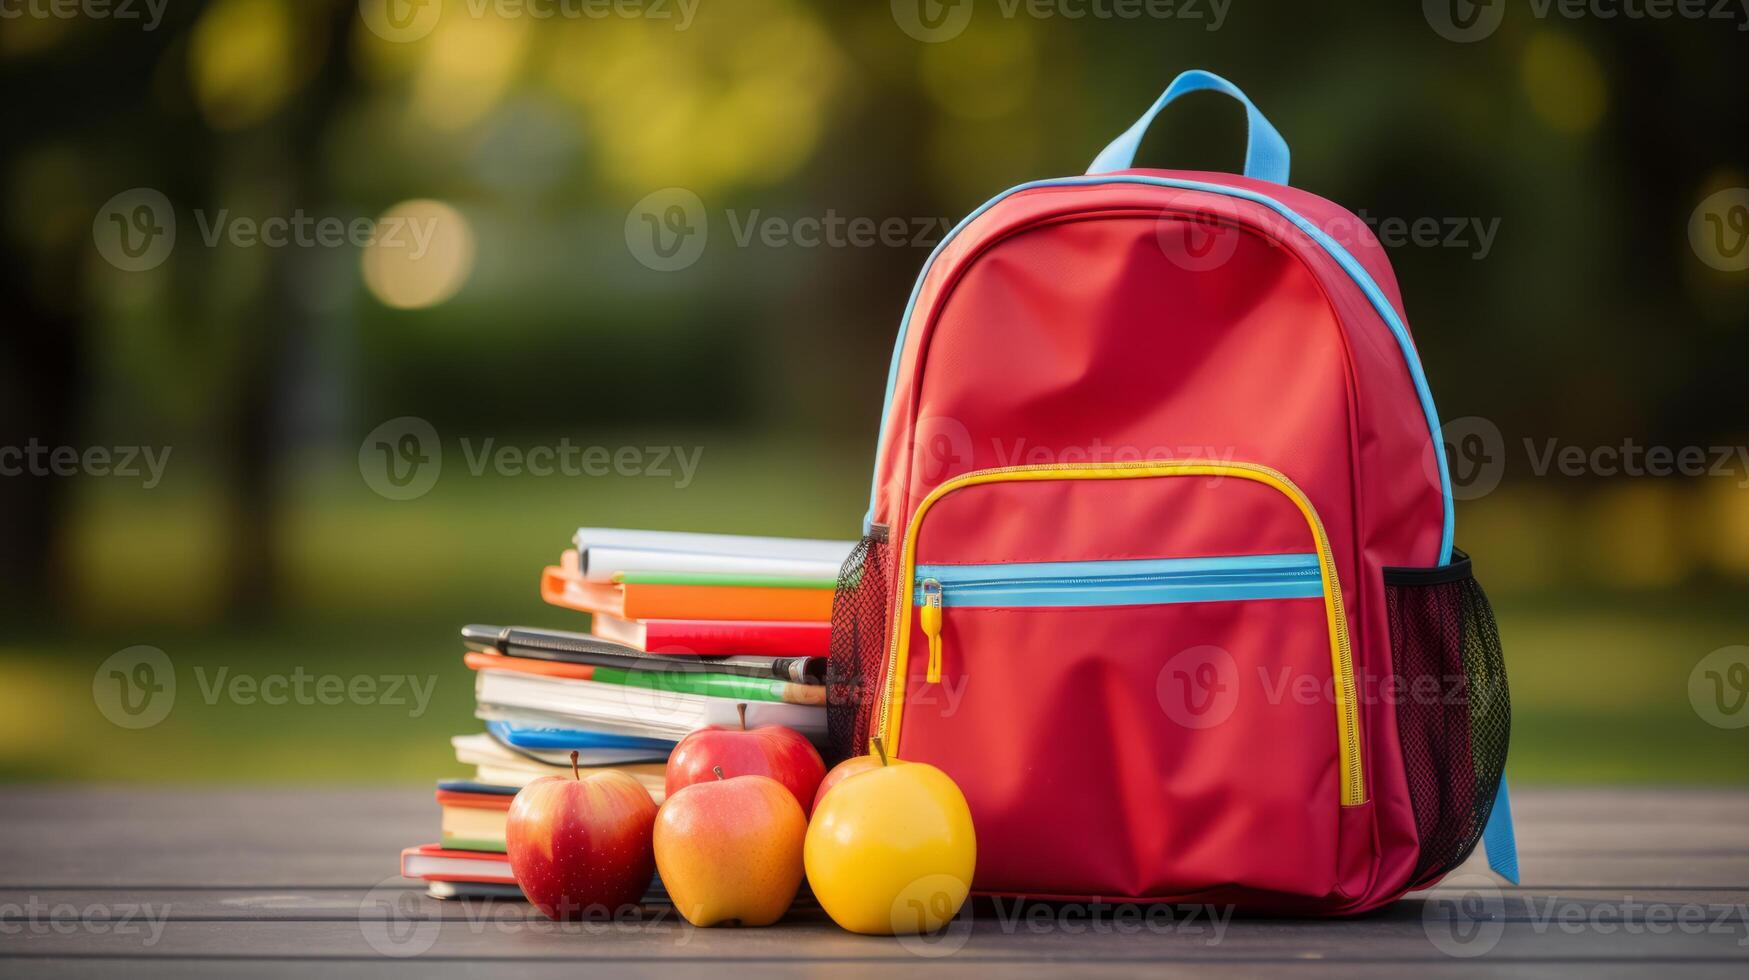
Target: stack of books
[(685, 629)]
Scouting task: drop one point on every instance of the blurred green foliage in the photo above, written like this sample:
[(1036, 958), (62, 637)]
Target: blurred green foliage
[(1587, 318)]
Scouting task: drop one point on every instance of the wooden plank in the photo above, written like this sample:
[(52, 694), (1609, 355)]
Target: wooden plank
[(222, 969), (1406, 937), (390, 922), (225, 881), (125, 836), (134, 837)]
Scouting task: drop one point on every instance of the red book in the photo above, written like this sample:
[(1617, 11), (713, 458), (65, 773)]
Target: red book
[(434, 862), (716, 637)]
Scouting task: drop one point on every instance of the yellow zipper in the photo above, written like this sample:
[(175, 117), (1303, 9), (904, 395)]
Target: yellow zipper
[(1341, 657)]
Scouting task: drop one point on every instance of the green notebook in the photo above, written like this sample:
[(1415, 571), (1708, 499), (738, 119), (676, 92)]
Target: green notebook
[(709, 685)]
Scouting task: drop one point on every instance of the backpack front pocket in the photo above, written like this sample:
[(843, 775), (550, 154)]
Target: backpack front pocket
[(1169, 716)]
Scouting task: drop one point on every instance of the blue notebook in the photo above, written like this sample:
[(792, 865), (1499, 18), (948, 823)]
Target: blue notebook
[(554, 746)]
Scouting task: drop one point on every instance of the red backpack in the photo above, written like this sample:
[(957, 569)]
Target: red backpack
[(1159, 564)]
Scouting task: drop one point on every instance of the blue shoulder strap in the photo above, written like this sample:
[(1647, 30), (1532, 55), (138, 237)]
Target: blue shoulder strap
[(1497, 837), (1266, 153)]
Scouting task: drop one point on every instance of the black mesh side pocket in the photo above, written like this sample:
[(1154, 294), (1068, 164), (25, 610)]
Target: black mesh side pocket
[(859, 647), (1454, 715)]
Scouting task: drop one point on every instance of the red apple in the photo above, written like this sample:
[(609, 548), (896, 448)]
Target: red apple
[(730, 850), (769, 750), (582, 847), (844, 770)]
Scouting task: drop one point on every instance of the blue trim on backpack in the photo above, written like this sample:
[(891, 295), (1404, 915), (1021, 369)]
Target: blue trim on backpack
[(1343, 257), (1266, 153), (1123, 582), (1498, 838)]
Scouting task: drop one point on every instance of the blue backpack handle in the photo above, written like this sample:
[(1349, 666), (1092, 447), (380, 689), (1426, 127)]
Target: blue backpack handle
[(1266, 154)]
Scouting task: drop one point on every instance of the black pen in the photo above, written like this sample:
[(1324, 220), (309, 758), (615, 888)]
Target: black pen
[(582, 648)]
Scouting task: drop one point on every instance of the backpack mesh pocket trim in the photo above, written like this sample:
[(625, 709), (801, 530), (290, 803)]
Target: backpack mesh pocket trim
[(1454, 711), (858, 652)]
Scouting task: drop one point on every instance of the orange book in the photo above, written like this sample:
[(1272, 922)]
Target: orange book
[(694, 596)]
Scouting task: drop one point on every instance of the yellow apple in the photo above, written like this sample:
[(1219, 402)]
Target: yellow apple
[(846, 769), (891, 850), (730, 850)]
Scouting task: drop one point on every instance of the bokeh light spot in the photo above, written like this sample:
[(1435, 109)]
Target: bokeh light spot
[(422, 254), (242, 62), (1563, 82)]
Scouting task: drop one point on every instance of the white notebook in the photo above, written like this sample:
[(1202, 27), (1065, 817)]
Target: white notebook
[(604, 552), (627, 710), (499, 766)]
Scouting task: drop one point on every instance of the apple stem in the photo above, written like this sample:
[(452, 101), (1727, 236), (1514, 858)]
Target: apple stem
[(718, 770), (574, 773), (741, 710), (880, 746)]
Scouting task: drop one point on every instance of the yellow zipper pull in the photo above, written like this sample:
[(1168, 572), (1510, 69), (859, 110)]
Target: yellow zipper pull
[(931, 621)]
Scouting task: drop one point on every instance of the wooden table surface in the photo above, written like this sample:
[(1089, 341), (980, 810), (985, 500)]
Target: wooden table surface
[(204, 882)]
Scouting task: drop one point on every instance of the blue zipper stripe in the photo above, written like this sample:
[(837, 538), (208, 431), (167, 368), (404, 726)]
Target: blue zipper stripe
[(1343, 258), (1125, 582)]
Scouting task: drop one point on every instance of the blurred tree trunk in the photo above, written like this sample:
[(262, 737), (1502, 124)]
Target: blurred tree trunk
[(40, 383), (265, 387)]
